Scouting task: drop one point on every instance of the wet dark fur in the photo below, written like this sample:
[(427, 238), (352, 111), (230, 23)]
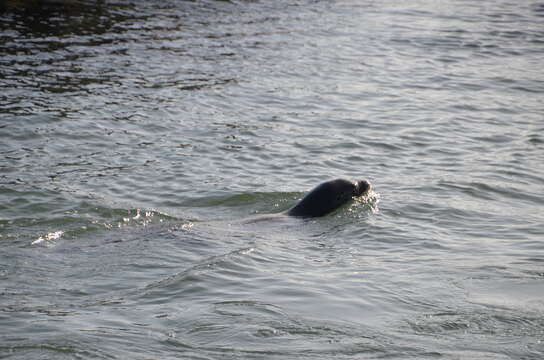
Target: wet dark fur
[(328, 197)]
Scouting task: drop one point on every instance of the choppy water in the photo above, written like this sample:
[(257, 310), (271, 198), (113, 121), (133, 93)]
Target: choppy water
[(136, 135)]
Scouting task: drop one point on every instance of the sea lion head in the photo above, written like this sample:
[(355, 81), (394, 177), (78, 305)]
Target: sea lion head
[(329, 196), (362, 187)]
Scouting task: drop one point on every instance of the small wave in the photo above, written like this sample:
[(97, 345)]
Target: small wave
[(82, 222), (47, 238), (489, 192)]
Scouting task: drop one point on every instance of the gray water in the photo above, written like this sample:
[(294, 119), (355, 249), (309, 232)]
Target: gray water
[(136, 137)]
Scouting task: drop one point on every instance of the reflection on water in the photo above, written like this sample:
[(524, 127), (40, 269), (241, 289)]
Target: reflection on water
[(45, 18)]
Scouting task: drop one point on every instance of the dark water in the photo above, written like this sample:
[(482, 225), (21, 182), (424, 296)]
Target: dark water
[(135, 136)]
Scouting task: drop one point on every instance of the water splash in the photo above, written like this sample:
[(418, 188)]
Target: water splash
[(48, 238), (370, 199)]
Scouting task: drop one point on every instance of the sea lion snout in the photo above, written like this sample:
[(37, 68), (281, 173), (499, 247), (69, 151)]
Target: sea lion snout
[(361, 187)]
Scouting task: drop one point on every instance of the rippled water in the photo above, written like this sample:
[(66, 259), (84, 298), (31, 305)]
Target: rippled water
[(136, 137)]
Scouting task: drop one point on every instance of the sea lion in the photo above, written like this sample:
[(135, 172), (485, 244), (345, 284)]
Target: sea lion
[(328, 197)]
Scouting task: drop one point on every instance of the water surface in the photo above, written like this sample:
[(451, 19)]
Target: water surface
[(136, 137)]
